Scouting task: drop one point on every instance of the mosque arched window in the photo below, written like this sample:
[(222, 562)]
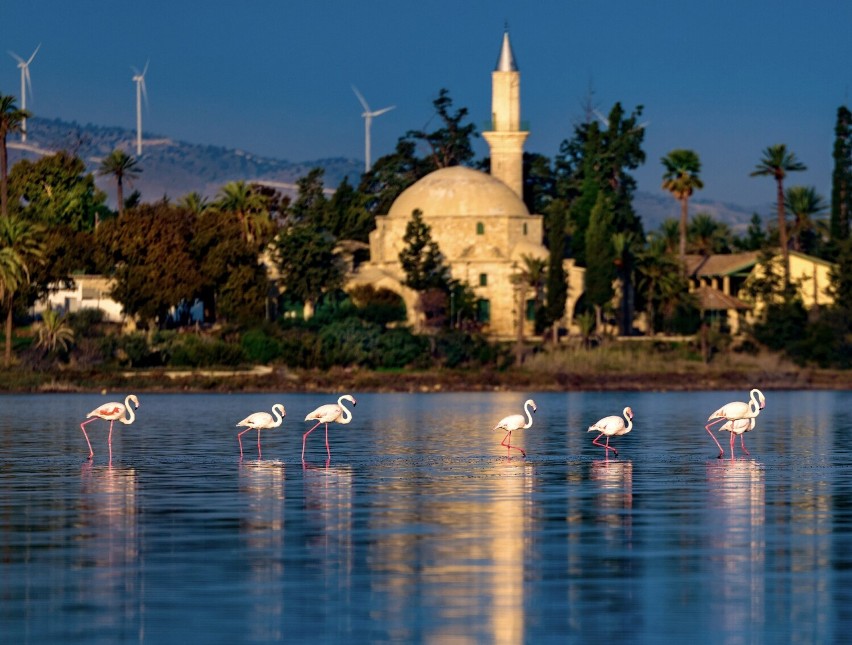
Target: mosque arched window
[(480, 228)]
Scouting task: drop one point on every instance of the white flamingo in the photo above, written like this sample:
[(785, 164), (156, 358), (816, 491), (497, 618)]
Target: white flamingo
[(327, 414), (739, 427), (735, 411), (261, 421), (111, 412), (611, 427), (516, 422)]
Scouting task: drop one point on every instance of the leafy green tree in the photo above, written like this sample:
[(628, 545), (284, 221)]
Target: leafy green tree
[(233, 284), (557, 281), (421, 258), (755, 237), (124, 168), (308, 264), (311, 205), (681, 180), (391, 175), (349, 218), (57, 190), (806, 205), (777, 162), (624, 247), (539, 182), (841, 177), (154, 268), (530, 275), (21, 248), (449, 145), (11, 120), (600, 258)]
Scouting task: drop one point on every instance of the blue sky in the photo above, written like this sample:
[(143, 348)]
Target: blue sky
[(724, 78)]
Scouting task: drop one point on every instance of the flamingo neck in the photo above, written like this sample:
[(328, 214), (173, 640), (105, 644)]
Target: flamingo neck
[(753, 405), (529, 415), (278, 416), (347, 415), (629, 420), (131, 416)]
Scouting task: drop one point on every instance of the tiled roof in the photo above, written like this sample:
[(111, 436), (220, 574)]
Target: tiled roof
[(719, 265), (711, 299)]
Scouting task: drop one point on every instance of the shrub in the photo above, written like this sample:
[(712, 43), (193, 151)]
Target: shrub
[(349, 342), (189, 350), (260, 347), (401, 348)]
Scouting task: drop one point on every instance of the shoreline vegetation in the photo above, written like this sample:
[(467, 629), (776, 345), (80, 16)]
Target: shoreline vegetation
[(574, 370)]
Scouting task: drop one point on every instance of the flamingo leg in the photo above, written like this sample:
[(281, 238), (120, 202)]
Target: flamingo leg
[(732, 445), (509, 445), (258, 444), (83, 428), (707, 427), (327, 449), (606, 445), (742, 443), (239, 438), (305, 436)]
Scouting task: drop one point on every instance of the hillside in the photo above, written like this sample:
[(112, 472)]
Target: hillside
[(174, 168)]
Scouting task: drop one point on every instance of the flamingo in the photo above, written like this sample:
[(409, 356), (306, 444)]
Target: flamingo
[(739, 427), (327, 414), (612, 426), (735, 411), (260, 421), (111, 412), (516, 422)]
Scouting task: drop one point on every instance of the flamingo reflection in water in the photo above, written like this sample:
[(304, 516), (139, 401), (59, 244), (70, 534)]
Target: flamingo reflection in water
[(516, 422), (111, 412), (260, 421), (736, 411), (612, 426), (330, 413)]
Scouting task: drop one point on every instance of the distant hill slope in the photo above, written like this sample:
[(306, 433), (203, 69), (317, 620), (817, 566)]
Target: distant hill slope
[(175, 168), (169, 167)]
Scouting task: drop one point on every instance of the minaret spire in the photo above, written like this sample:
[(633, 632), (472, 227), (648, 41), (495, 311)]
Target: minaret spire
[(506, 137)]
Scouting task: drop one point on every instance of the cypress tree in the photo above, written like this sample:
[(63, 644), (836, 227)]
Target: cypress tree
[(841, 179)]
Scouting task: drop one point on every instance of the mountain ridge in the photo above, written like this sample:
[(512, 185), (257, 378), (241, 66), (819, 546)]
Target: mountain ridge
[(173, 168)]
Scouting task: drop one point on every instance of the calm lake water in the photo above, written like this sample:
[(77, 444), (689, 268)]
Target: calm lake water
[(421, 528)]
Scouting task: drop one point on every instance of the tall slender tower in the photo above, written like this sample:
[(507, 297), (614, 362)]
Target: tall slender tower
[(506, 139)]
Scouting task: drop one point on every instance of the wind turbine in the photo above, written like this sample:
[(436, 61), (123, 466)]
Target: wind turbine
[(368, 120), (605, 121), (139, 79), (26, 82)]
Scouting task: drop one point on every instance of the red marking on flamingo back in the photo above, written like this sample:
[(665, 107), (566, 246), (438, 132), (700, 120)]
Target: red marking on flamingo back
[(110, 410)]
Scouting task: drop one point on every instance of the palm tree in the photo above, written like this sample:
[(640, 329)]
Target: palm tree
[(805, 203), (123, 167), (659, 280), (681, 180), (11, 120), (194, 202), (54, 331), (531, 275), (248, 205), (21, 247), (776, 163), (707, 236)]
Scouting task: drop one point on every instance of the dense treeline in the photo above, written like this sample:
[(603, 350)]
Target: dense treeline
[(204, 265)]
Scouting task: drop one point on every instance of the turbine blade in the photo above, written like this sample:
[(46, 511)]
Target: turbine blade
[(34, 53), (144, 92), (145, 68), (602, 118), (361, 98), (16, 57), (383, 110)]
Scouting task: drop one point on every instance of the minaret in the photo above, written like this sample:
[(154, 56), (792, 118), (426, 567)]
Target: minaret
[(506, 139)]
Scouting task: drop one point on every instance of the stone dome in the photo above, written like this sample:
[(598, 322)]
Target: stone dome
[(458, 191)]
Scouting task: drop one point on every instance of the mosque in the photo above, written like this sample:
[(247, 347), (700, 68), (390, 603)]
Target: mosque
[(479, 221)]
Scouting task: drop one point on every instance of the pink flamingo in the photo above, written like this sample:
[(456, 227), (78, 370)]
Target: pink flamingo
[(260, 421), (735, 411), (739, 427), (516, 422), (111, 412), (327, 414), (611, 427)]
